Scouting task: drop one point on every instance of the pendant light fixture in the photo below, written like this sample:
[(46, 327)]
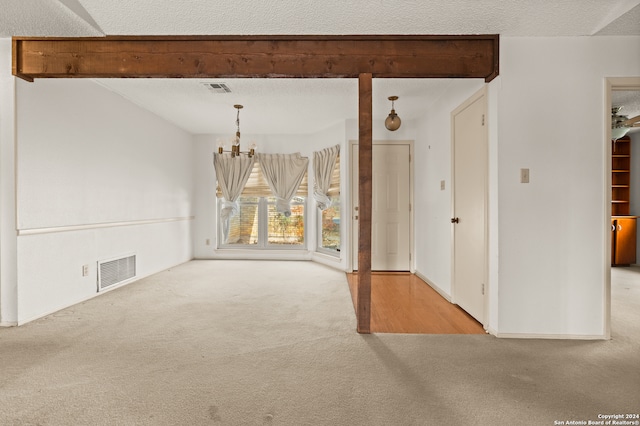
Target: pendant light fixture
[(235, 141), (392, 122)]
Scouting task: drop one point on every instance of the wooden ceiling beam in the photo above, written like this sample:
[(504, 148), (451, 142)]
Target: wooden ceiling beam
[(420, 56)]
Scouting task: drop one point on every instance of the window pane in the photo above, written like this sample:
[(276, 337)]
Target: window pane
[(286, 230), (331, 225), (243, 228)]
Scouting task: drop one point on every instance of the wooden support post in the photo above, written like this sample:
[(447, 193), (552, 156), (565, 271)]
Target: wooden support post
[(365, 178)]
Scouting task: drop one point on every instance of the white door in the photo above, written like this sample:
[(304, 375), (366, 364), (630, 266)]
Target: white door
[(469, 206), (390, 218)]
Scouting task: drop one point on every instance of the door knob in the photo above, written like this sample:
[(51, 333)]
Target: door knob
[(455, 220)]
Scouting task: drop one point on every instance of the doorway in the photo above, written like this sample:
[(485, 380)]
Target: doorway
[(391, 217), (469, 219), (621, 282)]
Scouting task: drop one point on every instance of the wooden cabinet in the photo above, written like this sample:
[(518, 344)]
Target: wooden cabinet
[(623, 226), (623, 240), (620, 176)]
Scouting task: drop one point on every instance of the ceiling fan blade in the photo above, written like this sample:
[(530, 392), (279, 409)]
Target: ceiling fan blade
[(631, 122)]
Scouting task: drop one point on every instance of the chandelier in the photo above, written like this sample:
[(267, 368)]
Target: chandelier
[(235, 141)]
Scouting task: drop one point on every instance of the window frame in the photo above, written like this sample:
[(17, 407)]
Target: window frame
[(263, 228)]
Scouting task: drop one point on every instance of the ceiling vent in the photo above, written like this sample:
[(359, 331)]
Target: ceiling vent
[(217, 87)]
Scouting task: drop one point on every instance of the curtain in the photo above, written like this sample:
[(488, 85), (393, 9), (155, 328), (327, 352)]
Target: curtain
[(257, 186), (232, 174), (324, 162), (283, 173)]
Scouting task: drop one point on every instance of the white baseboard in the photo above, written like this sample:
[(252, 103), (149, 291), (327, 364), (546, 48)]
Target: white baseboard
[(8, 324), (550, 336), (240, 254), (441, 292), (327, 260)]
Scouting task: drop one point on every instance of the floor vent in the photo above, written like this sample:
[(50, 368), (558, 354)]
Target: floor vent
[(217, 87), (116, 271)]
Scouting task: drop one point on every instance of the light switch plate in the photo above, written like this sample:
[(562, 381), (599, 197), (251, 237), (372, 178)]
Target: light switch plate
[(524, 175)]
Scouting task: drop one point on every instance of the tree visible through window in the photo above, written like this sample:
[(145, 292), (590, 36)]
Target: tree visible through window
[(286, 230), (331, 225)]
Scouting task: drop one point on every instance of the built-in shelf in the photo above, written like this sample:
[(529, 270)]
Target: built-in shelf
[(623, 226), (620, 176)]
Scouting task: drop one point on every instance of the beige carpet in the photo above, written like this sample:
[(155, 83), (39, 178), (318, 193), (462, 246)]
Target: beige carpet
[(254, 343)]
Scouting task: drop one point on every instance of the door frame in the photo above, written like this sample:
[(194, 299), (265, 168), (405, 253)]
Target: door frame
[(611, 84), (352, 229), (483, 92)]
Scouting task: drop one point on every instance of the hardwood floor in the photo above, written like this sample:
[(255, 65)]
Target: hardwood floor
[(403, 303)]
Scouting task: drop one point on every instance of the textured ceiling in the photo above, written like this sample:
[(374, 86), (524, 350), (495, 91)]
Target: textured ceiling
[(629, 101), (287, 106), (43, 18), (508, 18)]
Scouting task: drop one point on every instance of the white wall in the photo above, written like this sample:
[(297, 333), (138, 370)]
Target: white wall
[(546, 113), (551, 108), (204, 206), (433, 165), (8, 240), (87, 158)]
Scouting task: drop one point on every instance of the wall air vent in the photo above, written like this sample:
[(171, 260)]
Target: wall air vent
[(217, 87), (116, 271)]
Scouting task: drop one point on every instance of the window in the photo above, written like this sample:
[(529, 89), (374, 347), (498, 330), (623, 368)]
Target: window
[(329, 219), (258, 225), (330, 226), (243, 227), (283, 230)]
